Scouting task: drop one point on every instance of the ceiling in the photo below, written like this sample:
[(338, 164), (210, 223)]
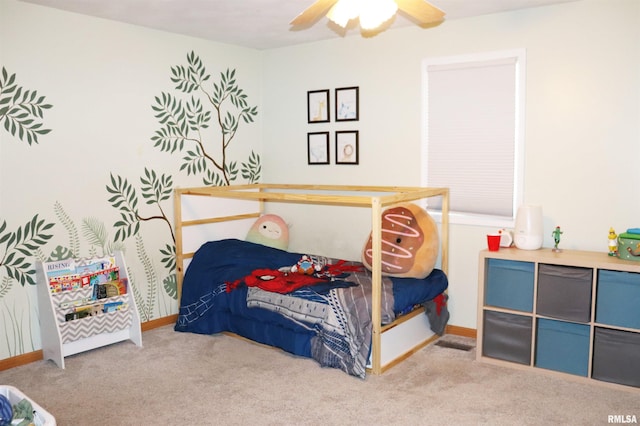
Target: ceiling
[(257, 24)]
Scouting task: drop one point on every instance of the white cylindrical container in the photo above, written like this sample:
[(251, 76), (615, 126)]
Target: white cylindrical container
[(528, 233)]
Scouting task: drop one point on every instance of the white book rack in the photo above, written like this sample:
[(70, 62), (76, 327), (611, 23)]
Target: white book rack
[(73, 319)]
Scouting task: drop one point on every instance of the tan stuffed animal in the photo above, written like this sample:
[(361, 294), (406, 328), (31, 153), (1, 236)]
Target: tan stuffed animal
[(409, 242)]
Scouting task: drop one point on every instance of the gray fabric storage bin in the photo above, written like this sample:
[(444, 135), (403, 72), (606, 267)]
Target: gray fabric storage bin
[(507, 337), (616, 356), (564, 292)]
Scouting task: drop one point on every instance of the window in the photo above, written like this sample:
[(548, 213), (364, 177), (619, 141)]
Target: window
[(473, 138)]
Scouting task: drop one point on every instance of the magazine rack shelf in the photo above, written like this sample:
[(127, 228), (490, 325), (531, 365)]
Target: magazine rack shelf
[(85, 305), (573, 312)]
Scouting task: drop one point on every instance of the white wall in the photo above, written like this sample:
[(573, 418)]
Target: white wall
[(582, 119), (101, 78)]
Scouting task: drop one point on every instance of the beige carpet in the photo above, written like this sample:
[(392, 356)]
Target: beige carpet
[(188, 379)]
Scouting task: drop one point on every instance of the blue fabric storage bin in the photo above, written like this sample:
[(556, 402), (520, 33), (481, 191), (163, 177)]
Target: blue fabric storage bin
[(618, 298), (509, 284), (563, 346)]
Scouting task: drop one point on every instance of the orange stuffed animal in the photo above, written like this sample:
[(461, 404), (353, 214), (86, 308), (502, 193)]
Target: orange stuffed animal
[(409, 242)]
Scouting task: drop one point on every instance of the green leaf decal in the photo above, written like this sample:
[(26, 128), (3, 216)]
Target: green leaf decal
[(20, 109), (20, 245)]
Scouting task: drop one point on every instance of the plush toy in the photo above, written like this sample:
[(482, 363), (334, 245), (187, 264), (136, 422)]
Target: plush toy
[(269, 230), (306, 266), (409, 242)]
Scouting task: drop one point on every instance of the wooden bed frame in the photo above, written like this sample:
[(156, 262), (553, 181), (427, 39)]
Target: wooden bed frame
[(407, 334)]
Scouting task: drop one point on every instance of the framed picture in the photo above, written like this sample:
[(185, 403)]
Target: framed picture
[(347, 104), (347, 147), (318, 106), (318, 148)]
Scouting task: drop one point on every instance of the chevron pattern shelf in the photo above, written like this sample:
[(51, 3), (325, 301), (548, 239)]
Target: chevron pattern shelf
[(75, 319), (105, 323)]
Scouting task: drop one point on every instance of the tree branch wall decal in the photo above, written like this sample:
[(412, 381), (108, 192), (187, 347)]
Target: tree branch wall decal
[(185, 119)]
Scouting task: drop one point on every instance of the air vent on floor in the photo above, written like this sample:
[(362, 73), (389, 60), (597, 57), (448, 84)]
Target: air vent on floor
[(454, 345)]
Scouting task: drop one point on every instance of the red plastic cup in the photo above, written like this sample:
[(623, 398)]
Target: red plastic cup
[(493, 241)]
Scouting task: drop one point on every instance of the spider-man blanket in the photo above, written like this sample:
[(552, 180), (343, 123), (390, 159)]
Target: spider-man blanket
[(284, 281)]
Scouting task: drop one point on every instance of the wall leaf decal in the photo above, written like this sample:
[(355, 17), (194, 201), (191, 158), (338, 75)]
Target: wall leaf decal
[(20, 108), (20, 245)]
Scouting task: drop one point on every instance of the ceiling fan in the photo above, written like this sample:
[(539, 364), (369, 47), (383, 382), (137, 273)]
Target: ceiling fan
[(371, 13)]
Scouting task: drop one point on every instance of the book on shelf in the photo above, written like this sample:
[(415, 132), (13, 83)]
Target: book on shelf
[(70, 274), (99, 276)]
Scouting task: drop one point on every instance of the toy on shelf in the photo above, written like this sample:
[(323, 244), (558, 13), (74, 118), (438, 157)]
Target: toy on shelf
[(556, 238), (613, 242), (629, 245)]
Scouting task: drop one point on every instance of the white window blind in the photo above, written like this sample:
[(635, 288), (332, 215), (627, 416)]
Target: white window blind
[(473, 134)]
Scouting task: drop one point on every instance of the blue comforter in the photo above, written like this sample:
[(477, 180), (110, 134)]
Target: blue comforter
[(331, 325)]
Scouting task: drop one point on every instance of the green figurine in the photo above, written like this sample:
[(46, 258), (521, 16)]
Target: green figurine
[(556, 238)]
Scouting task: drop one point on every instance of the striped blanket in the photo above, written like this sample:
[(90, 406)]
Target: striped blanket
[(341, 319)]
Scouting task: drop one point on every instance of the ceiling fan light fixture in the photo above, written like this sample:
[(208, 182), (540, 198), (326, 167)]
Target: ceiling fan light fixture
[(344, 11), (376, 13), (372, 14)]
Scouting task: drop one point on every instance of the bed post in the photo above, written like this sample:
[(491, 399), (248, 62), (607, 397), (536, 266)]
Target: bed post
[(444, 259), (177, 215), (376, 294)]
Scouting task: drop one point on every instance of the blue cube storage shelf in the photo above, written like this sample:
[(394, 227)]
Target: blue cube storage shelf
[(571, 313)]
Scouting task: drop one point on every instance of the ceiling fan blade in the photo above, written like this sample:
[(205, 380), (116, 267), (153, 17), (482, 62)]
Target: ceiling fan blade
[(314, 12), (420, 10)]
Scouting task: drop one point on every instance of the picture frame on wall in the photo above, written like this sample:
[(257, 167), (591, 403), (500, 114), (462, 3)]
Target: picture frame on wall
[(347, 151), (318, 148), (318, 110), (347, 104)]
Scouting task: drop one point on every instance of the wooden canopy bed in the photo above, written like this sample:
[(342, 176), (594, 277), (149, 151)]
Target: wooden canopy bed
[(389, 343)]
